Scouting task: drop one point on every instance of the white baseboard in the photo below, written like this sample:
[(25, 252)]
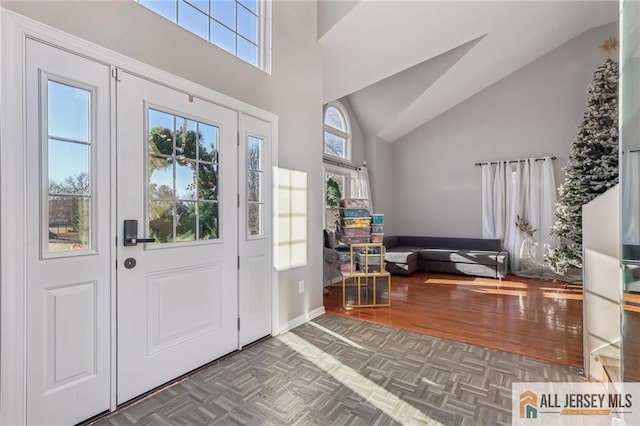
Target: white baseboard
[(337, 280), (295, 322)]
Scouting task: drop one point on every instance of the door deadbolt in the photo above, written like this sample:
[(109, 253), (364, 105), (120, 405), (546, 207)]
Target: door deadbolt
[(130, 263)]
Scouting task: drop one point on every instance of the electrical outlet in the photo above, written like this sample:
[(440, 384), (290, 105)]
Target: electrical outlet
[(301, 286)]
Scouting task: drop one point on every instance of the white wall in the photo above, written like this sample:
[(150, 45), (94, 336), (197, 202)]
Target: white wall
[(331, 11), (532, 112), (293, 92), (602, 278)]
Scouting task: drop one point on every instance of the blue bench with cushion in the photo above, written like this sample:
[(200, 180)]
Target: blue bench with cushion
[(468, 256)]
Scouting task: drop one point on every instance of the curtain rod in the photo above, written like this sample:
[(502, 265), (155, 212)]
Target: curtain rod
[(345, 165), (510, 161)]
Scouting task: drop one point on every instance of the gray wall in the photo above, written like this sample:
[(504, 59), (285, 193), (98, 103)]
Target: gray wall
[(378, 155), (293, 91), (532, 112)]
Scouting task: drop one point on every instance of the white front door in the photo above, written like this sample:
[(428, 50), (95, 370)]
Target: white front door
[(177, 297), (68, 179), (254, 229)]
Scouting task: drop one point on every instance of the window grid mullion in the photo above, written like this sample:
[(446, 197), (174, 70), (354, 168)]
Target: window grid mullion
[(336, 132)]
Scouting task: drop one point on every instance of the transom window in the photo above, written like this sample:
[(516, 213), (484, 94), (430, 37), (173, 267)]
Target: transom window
[(337, 134), (237, 26)]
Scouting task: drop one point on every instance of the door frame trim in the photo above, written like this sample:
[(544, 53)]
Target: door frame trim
[(13, 261)]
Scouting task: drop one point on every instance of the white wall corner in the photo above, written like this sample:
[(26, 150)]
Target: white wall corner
[(299, 320)]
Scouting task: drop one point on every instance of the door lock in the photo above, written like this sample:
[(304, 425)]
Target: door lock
[(131, 234), (130, 263)]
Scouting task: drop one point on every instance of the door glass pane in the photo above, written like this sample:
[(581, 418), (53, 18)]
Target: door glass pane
[(208, 220), (207, 182), (68, 112), (161, 221), (68, 167), (68, 180), (255, 185), (160, 179), (185, 180), (186, 221), (69, 223), (185, 138), (208, 140), (179, 178), (161, 127), (254, 153), (254, 222)]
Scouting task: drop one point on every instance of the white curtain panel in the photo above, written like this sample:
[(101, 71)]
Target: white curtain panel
[(360, 187), (527, 189), (488, 215), (534, 201), (516, 197), (493, 200), (500, 199), (548, 191), (631, 197)]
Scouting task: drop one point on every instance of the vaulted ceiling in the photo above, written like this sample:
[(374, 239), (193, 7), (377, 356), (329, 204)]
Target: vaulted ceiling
[(403, 63)]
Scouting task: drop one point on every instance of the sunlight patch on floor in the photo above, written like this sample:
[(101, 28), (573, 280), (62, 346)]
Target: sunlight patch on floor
[(507, 284), (568, 290), (501, 291), (568, 296), (336, 335), (374, 394)]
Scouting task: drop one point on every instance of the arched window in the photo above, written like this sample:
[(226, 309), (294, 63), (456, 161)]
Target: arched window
[(337, 132)]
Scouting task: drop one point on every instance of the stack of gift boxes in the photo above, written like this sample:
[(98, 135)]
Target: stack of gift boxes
[(358, 226)]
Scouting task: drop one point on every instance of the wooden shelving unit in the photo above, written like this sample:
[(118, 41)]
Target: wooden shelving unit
[(356, 278)]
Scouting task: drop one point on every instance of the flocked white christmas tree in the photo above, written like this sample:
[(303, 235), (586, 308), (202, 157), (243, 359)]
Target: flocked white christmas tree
[(592, 167)]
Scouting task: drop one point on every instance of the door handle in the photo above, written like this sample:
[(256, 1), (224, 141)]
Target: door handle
[(131, 234)]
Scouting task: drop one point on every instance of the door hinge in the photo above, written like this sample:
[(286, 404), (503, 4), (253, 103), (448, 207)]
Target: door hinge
[(238, 200), (238, 324), (238, 138), (115, 73), (238, 262)]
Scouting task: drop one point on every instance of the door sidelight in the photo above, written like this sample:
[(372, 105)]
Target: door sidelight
[(131, 234)]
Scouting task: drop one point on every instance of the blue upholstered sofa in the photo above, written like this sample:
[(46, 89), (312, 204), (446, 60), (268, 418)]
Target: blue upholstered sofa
[(468, 256)]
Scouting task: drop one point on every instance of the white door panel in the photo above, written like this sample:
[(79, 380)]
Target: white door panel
[(68, 236), (254, 229), (177, 308)]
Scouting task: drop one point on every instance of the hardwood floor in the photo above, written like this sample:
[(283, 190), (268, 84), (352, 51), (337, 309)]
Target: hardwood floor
[(631, 337), (539, 319)]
